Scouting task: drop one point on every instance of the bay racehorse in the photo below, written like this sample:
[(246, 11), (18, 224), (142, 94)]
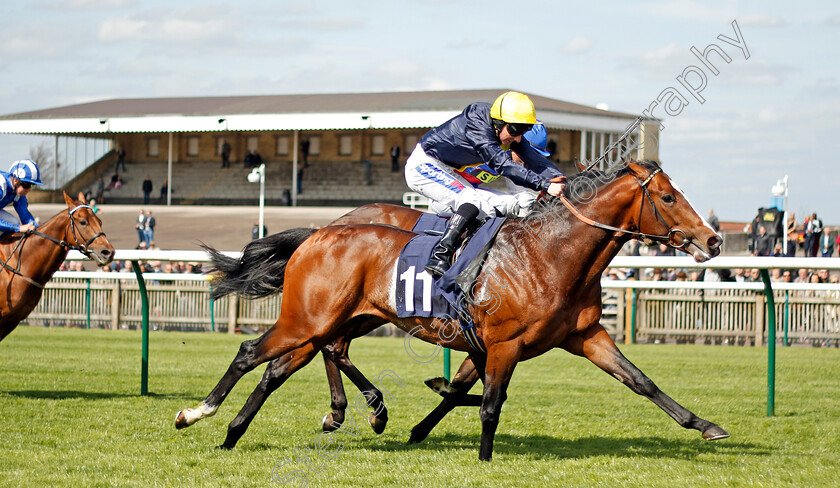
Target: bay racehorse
[(30, 259), (542, 277)]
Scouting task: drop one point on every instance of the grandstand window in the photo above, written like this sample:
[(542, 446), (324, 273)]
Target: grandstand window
[(377, 145), (314, 145), (410, 143), (192, 146), (345, 145), (252, 143), (282, 146), (153, 147)]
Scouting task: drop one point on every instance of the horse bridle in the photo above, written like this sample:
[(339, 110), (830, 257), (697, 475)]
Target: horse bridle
[(669, 239), (82, 248), (79, 246)]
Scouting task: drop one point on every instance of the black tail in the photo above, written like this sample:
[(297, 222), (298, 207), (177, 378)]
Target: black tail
[(260, 270)]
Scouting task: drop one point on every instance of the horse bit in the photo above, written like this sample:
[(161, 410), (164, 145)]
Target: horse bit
[(79, 246)]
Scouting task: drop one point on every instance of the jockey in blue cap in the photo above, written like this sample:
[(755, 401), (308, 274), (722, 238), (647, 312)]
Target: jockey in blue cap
[(14, 186), (451, 161)]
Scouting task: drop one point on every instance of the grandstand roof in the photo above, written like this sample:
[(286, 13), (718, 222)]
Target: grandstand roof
[(386, 110)]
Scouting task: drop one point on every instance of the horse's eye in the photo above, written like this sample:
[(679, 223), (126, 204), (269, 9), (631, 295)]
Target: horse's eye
[(83, 222), (669, 199)]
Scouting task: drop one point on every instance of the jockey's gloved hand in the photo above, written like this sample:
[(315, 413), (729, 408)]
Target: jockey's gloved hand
[(558, 186)]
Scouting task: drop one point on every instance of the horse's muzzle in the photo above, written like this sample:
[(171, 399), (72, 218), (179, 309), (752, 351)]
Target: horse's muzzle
[(102, 256)]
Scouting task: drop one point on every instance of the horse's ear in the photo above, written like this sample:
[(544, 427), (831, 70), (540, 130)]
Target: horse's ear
[(82, 198), (68, 200), (579, 165)]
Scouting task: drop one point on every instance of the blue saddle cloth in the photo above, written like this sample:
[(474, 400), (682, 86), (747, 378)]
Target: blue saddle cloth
[(431, 222), (418, 294)]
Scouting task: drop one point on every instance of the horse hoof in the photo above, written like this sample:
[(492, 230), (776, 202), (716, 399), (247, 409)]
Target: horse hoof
[(714, 433), (181, 420), (416, 437), (440, 386), (378, 424), (328, 424)]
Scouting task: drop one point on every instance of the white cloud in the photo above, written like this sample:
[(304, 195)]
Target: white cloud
[(329, 24), (89, 4), (169, 30), (577, 45), (833, 21), (760, 20), (47, 42)]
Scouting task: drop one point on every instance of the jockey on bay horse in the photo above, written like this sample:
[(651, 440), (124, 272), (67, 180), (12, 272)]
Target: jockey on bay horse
[(449, 163)]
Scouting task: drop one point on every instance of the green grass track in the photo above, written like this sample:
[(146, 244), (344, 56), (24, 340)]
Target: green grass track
[(71, 415)]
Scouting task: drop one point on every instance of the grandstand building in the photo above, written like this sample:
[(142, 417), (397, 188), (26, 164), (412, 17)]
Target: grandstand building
[(349, 137)]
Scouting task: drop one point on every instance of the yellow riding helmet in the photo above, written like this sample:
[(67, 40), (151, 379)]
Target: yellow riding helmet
[(514, 108)]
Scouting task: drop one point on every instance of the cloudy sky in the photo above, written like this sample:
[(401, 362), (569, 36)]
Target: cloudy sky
[(771, 114)]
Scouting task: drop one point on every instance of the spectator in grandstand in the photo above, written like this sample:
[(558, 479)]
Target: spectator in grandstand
[(248, 160), (164, 190), (793, 238), (450, 162), (304, 152), (813, 232), (664, 250), (395, 158), (93, 205), (100, 189), (777, 250), (826, 243), (787, 277), (149, 229), (255, 231), (225, 154), (739, 275), (14, 186), (801, 276), (120, 159), (147, 190), (116, 181), (824, 276), (763, 243), (256, 158), (713, 220), (755, 275), (140, 225)]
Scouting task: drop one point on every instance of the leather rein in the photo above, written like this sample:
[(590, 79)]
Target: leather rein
[(669, 239), (79, 246)]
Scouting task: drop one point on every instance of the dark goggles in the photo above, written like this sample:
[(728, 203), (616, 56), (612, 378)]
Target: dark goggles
[(26, 185), (517, 130)]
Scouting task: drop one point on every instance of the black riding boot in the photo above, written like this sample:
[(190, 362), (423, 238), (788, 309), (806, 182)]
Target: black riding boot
[(439, 262)]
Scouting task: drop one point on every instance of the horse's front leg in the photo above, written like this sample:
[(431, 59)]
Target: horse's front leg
[(251, 354), (501, 360), (454, 394), (275, 375), (597, 346)]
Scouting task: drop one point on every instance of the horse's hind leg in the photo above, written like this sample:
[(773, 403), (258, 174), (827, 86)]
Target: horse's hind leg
[(456, 395), (336, 358), (597, 346), (338, 398), (275, 375)]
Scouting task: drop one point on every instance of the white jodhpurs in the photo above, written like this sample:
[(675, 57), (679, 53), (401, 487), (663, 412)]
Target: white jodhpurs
[(448, 190)]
